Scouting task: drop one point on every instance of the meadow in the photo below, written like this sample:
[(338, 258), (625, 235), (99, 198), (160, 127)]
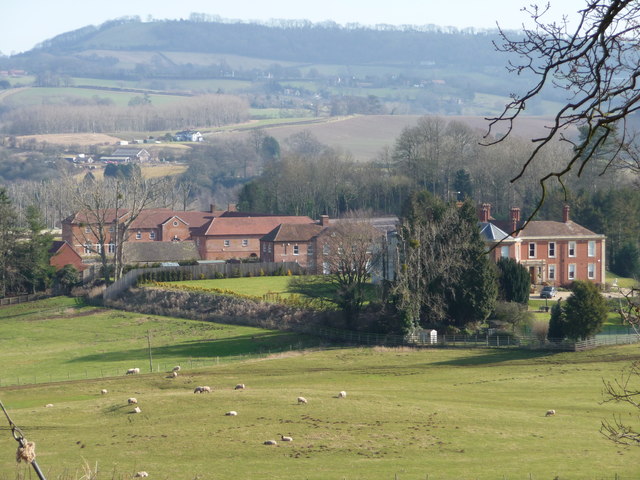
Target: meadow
[(435, 414)]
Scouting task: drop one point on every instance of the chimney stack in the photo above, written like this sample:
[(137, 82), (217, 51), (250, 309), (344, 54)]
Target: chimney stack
[(324, 220), (515, 218), (565, 213), (212, 207), (485, 213)]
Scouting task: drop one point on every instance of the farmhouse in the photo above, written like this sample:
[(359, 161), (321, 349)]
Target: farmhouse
[(554, 252), (188, 136)]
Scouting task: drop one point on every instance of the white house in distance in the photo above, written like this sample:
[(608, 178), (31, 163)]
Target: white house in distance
[(188, 136)]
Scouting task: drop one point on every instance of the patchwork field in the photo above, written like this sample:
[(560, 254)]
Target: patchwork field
[(436, 413)]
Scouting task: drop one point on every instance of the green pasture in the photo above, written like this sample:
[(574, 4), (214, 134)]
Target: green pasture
[(57, 339), (443, 414)]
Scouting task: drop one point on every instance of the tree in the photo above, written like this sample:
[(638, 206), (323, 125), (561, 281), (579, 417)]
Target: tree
[(512, 314), (595, 64), (514, 281), (585, 310), (9, 233), (557, 322), (33, 252), (622, 390), (626, 261)]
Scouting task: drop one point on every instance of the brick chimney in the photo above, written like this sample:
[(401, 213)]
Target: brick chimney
[(324, 220), (515, 218), (212, 207), (232, 207), (485, 212), (565, 213)]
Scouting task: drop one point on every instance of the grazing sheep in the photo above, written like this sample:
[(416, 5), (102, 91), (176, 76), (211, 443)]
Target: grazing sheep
[(342, 394), (137, 410), (239, 386), (270, 442), (48, 405), (174, 374), (302, 400), (176, 368), (550, 413), (141, 474), (204, 389), (104, 391), (133, 371), (132, 401), (286, 439), (231, 413)]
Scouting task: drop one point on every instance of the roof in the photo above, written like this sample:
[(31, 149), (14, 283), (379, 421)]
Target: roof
[(385, 224), (552, 229), (151, 252), (86, 216), (226, 226), (56, 246), (491, 233), (288, 232), (129, 152)]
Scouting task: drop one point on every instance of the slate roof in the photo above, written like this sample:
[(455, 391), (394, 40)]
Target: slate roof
[(252, 226), (491, 233), (151, 252), (549, 228), (288, 232)]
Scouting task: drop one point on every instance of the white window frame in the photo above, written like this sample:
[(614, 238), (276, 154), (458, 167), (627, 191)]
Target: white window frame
[(88, 248), (175, 223), (326, 250), (552, 249), (296, 250), (571, 271), (551, 271), (264, 248), (111, 248), (268, 247), (591, 248), (591, 271), (226, 243), (138, 235), (245, 242), (152, 235), (504, 251), (87, 229), (532, 249), (310, 249), (571, 250)]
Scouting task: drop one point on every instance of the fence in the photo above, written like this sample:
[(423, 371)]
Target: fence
[(202, 272), (21, 299)]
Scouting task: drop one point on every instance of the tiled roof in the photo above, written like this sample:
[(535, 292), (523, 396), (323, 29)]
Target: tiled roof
[(288, 232), (89, 217), (56, 246), (249, 225), (150, 252), (548, 228)]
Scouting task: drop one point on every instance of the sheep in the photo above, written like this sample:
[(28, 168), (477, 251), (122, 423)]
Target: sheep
[(176, 368), (239, 386), (550, 413), (48, 405), (270, 442), (302, 400), (204, 389), (132, 401), (286, 439), (137, 410), (342, 394), (104, 391), (141, 474), (231, 413), (133, 371), (174, 374)]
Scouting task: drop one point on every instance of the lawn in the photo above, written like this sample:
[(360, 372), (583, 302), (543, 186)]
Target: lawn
[(444, 414)]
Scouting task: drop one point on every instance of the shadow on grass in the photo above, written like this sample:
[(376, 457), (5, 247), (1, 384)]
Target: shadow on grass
[(226, 347), (498, 356), (313, 287)]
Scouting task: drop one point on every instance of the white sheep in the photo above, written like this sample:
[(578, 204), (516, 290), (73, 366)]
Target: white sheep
[(48, 405), (174, 374), (286, 439), (137, 410), (204, 389), (133, 371), (239, 386), (141, 474), (550, 413), (302, 400), (270, 442), (176, 368), (132, 401), (104, 391), (231, 413), (342, 394)]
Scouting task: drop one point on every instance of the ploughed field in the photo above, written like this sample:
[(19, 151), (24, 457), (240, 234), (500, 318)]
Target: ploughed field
[(408, 414)]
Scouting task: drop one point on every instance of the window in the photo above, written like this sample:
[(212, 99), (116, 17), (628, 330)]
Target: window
[(591, 271), (591, 249), (245, 242), (152, 235), (310, 249), (572, 249), (98, 248), (551, 272), (532, 250), (87, 248), (138, 235), (227, 243), (112, 229), (572, 271), (87, 229), (325, 249), (269, 247), (296, 250), (552, 249), (111, 248), (175, 223), (264, 247), (504, 251)]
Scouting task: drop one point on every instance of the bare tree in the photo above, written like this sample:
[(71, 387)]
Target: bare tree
[(596, 63), (622, 390)]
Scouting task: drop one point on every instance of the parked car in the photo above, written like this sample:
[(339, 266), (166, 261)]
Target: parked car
[(548, 292)]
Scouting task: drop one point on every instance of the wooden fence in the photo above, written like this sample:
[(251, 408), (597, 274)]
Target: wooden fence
[(21, 299)]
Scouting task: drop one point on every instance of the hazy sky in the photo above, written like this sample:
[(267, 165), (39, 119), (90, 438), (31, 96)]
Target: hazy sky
[(24, 23)]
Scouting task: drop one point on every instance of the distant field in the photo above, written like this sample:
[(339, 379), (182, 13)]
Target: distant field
[(148, 171), (442, 414), (82, 139)]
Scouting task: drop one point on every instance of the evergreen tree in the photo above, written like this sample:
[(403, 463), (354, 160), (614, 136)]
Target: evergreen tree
[(626, 262), (586, 310), (557, 322), (9, 233), (33, 252), (514, 281)]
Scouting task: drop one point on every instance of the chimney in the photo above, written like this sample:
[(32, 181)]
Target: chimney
[(324, 220), (565, 213), (515, 218), (485, 213), (212, 207), (232, 207)]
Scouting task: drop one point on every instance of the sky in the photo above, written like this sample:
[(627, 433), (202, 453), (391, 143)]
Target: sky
[(25, 23)]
